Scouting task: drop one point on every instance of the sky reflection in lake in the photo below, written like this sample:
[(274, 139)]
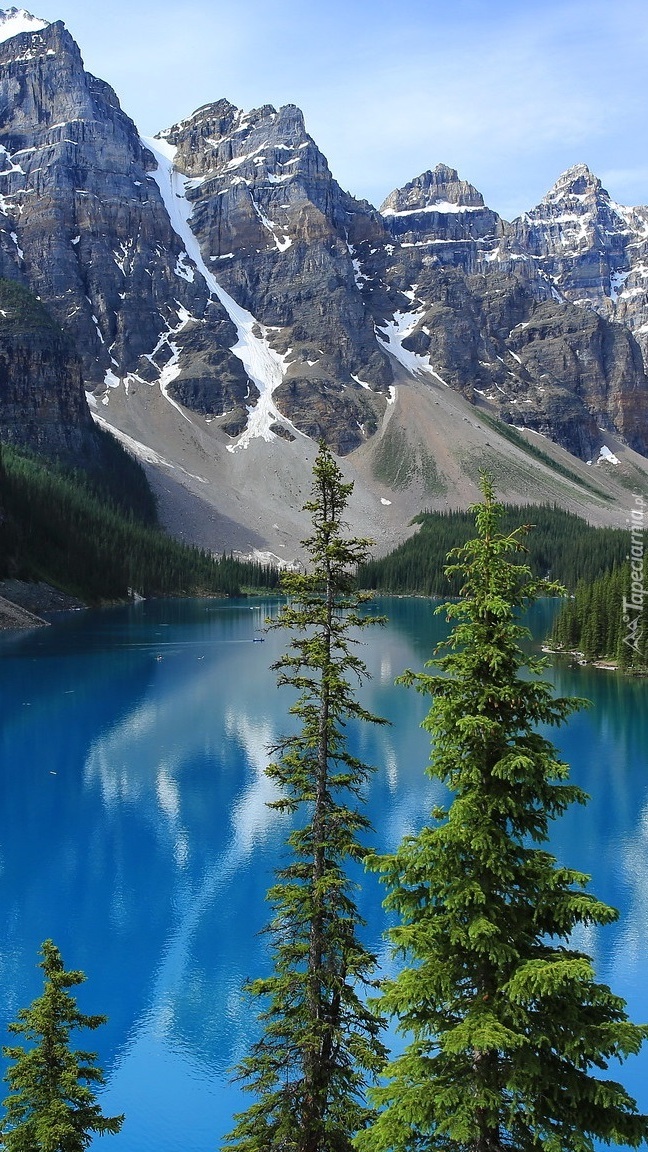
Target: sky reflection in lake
[(135, 831)]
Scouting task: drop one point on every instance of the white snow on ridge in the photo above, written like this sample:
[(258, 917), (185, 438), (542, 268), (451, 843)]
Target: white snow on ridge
[(617, 280), (185, 271), (362, 383), (438, 206), (271, 225), (241, 159), (4, 151), (359, 276), (264, 366), (605, 454), (395, 330), (111, 380), (13, 21), (172, 368)]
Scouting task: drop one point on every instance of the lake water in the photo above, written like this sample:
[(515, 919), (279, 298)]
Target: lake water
[(134, 831)]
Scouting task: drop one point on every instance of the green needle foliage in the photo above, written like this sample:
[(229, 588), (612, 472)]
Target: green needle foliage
[(607, 618), (506, 1024), (52, 1106), (320, 1043)]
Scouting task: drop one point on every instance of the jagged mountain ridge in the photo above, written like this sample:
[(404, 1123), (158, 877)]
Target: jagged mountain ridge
[(278, 232), (224, 291), (509, 322)]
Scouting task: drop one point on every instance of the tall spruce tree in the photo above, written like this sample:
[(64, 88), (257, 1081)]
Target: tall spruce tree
[(507, 1027), (320, 1042), (52, 1106)]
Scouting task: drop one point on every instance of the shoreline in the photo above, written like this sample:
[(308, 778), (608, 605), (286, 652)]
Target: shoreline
[(22, 602), (605, 663)]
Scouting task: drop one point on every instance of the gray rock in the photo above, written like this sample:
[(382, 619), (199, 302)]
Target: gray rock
[(438, 211), (545, 317), (83, 221), (279, 233), (42, 401)]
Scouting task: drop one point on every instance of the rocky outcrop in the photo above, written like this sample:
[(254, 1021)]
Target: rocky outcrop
[(43, 404), (42, 401), (578, 376), (593, 251), (222, 264), (83, 223), (524, 315), (280, 236), (445, 215)]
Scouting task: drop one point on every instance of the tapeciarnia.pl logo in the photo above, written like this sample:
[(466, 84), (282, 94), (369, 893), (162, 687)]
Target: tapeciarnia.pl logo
[(633, 605)]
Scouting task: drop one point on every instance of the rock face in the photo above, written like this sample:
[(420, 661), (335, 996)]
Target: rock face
[(42, 402), (83, 222), (591, 249), (43, 405), (439, 209), (280, 236), (526, 315), (223, 266)]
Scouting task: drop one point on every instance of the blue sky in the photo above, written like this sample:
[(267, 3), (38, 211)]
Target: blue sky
[(509, 92)]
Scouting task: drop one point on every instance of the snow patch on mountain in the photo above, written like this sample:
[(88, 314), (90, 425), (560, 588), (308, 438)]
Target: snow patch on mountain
[(282, 245), (394, 332), (617, 280), (172, 367), (264, 366), (438, 206), (13, 21)]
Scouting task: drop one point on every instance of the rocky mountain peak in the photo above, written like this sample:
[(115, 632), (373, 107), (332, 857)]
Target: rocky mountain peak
[(576, 183), (63, 92), (437, 209), (286, 243), (222, 281), (436, 190), (576, 215), (578, 195), (221, 138), (587, 250), (15, 21), (106, 269)]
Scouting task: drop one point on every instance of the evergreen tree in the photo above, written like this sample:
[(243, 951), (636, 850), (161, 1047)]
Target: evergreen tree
[(603, 619), (52, 1106), (505, 1020), (562, 546), (320, 1041), (56, 527)]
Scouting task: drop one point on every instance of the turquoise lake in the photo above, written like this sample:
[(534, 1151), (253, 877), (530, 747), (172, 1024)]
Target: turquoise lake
[(135, 832)]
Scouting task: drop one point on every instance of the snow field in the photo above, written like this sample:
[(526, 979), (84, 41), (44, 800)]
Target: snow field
[(264, 366)]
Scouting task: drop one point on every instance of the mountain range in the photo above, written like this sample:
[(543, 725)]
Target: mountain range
[(224, 303)]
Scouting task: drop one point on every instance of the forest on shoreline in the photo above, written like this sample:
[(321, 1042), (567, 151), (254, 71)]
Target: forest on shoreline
[(60, 526)]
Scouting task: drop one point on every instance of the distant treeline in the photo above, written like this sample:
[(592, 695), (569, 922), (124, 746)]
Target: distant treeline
[(608, 618), (59, 526), (561, 546)]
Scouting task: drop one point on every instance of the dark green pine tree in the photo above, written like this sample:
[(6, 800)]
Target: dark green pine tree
[(52, 1105), (320, 1043), (506, 1026)]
